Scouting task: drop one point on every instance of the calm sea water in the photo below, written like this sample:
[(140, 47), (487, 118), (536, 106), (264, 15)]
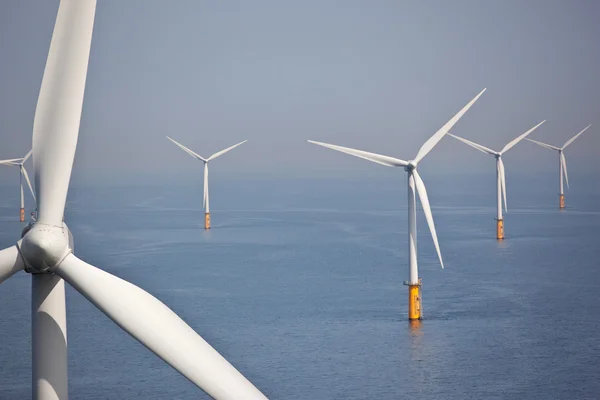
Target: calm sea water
[(299, 285)]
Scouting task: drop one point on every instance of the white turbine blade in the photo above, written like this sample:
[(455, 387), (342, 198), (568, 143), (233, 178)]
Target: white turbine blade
[(27, 156), (422, 192), (376, 158), (158, 328), (518, 139), (575, 137), (544, 145), (479, 147), (26, 175), (503, 182), (190, 152), (429, 144), (563, 161), (220, 153), (11, 162), (10, 262), (58, 111)]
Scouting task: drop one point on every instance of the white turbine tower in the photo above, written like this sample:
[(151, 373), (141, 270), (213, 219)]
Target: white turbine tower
[(415, 186), (19, 162), (205, 201), (500, 175), (46, 248), (562, 163)]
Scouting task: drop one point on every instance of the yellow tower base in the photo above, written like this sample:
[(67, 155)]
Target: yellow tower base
[(207, 221), (22, 219), (562, 201), (499, 229), (414, 301)]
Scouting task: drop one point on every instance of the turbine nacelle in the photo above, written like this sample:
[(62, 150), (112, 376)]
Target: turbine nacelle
[(412, 165), (43, 247)]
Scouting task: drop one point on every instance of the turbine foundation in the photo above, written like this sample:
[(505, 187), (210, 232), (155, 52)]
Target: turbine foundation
[(22, 219), (562, 201), (414, 301), (499, 229), (207, 221)]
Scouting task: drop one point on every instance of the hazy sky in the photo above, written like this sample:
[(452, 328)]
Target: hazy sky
[(377, 75)]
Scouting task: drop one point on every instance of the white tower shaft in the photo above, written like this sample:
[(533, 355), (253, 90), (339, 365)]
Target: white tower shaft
[(49, 338), (21, 183), (499, 189), (206, 200), (561, 173), (413, 271)]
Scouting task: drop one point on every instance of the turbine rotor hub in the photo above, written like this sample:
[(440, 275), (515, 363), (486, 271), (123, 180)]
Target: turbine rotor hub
[(43, 247), (411, 166)]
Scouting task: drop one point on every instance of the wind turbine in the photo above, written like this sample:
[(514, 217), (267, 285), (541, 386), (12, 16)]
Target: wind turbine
[(500, 176), (562, 163), (46, 248), (415, 185), (19, 162), (205, 202)]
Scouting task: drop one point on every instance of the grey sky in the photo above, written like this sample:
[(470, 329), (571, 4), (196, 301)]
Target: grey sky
[(381, 76)]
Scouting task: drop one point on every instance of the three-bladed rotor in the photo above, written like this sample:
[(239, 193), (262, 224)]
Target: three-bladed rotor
[(411, 166)]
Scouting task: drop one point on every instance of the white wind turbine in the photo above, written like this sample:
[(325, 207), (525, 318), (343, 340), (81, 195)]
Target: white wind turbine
[(205, 201), (19, 162), (500, 175), (562, 163), (46, 248), (415, 185)]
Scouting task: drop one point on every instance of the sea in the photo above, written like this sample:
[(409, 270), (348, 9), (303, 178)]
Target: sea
[(299, 284)]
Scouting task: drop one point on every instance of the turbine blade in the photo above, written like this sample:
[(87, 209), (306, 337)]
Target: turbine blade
[(10, 262), (518, 139), (190, 152), (429, 144), (158, 328), (575, 137), (422, 192), (27, 156), (365, 155), (11, 162), (220, 153), (58, 111), (503, 182), (563, 160), (479, 147), (544, 145), (26, 175)]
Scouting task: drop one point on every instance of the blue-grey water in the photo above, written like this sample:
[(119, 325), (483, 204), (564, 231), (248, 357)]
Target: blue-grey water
[(299, 285)]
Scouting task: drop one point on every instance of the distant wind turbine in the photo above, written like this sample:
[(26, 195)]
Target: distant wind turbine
[(19, 162), (500, 175), (562, 163), (205, 201), (415, 185)]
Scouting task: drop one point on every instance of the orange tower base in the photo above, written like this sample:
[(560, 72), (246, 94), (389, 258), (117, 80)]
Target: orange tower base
[(207, 221), (414, 301), (22, 219), (562, 201), (499, 229)]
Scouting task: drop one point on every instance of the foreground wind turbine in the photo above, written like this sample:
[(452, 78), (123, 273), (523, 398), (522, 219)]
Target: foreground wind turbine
[(19, 162), (205, 202), (562, 163), (500, 175), (415, 183), (46, 248)]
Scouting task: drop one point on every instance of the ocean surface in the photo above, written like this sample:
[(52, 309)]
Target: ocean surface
[(299, 285)]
